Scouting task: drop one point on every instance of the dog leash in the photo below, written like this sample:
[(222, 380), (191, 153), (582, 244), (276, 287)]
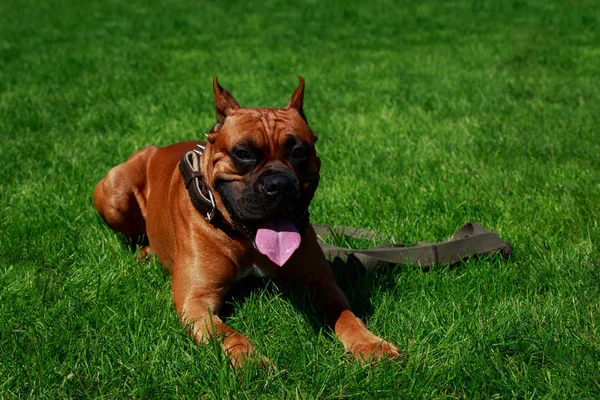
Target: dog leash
[(470, 240)]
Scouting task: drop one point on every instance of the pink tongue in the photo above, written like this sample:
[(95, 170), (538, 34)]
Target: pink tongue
[(277, 240)]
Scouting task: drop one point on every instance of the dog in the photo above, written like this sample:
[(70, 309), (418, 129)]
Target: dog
[(256, 175)]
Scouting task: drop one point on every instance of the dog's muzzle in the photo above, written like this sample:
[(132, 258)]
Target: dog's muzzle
[(278, 186)]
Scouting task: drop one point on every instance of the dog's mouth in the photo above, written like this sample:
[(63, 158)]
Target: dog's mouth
[(275, 227), (276, 237), (278, 240)]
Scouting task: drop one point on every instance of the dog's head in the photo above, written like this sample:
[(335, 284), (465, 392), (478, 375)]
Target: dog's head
[(262, 167)]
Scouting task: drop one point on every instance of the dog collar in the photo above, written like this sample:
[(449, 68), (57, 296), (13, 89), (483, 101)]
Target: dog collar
[(200, 194), (189, 166)]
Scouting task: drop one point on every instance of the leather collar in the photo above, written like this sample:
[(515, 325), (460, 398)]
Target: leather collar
[(200, 195)]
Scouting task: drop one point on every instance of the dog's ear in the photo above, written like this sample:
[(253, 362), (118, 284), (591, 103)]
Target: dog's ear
[(225, 104), (297, 100)]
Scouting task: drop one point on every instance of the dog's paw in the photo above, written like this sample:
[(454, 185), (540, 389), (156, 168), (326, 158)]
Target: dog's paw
[(375, 350), (244, 355)]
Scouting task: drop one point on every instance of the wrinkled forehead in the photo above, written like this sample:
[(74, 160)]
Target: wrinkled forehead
[(266, 126)]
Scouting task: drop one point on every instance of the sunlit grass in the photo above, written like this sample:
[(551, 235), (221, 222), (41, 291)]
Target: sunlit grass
[(429, 114)]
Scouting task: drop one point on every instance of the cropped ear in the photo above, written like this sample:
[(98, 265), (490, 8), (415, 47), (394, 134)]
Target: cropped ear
[(225, 104), (297, 100)]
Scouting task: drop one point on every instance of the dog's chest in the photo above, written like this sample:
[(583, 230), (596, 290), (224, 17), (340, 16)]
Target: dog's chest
[(258, 270)]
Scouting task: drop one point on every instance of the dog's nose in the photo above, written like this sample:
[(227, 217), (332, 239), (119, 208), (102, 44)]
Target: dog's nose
[(279, 185)]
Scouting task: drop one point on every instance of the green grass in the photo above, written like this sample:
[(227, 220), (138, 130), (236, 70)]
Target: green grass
[(429, 114)]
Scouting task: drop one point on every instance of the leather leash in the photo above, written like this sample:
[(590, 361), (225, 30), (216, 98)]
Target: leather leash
[(470, 240)]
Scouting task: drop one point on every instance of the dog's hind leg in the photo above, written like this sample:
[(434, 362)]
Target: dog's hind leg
[(120, 197)]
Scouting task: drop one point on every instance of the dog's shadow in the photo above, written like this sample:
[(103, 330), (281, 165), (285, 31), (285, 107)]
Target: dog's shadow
[(351, 275)]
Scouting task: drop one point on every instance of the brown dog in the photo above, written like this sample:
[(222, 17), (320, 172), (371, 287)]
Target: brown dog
[(260, 171)]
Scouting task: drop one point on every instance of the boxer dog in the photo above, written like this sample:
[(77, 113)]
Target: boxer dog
[(256, 176)]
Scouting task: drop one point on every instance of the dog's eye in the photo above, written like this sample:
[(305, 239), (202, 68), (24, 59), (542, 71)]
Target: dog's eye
[(300, 153), (243, 155)]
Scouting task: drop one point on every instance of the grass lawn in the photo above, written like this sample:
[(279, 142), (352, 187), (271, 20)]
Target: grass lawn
[(430, 114)]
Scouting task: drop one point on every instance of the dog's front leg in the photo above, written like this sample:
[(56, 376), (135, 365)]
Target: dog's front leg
[(352, 332), (198, 296), (308, 268)]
